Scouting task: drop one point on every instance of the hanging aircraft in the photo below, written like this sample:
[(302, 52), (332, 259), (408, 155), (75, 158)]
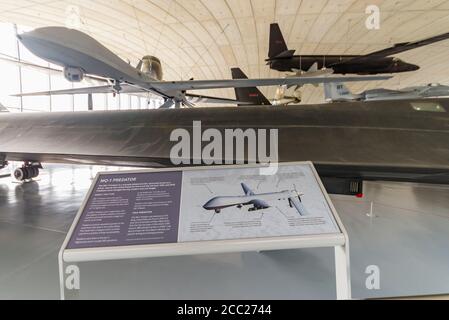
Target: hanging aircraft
[(338, 92), (81, 55), (253, 97), (257, 201), (357, 140), (283, 59)]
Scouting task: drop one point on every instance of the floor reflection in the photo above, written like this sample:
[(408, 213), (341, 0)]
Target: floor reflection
[(406, 238)]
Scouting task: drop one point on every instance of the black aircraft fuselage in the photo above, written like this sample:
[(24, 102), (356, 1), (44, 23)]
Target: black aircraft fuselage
[(387, 140), (342, 64)]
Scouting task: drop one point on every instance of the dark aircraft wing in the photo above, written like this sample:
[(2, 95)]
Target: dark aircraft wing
[(405, 46), (398, 48)]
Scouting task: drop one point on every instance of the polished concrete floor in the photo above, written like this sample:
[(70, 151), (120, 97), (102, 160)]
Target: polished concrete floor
[(406, 237)]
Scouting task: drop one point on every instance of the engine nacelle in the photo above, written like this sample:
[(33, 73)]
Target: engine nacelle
[(73, 74)]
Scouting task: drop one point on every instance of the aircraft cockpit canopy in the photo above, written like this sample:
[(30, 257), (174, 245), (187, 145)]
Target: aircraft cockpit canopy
[(151, 66)]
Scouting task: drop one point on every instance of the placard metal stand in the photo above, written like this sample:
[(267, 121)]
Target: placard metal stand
[(69, 257)]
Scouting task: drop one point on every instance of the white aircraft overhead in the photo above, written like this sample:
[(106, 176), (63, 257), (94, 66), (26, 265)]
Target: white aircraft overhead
[(81, 55), (338, 92), (258, 201)]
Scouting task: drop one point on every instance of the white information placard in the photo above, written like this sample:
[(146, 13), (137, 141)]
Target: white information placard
[(166, 212), (240, 203)]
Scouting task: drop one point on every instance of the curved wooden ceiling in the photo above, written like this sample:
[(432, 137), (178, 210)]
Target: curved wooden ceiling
[(204, 38)]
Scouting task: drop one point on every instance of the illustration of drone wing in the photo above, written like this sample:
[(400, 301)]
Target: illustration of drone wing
[(247, 190), (259, 204), (298, 205)]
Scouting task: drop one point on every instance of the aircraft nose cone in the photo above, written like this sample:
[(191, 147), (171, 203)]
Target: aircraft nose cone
[(21, 37), (207, 205), (38, 34), (25, 37), (410, 67)]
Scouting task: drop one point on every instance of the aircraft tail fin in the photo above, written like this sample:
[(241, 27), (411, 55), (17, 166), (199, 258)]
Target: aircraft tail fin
[(3, 108), (313, 68), (278, 47), (247, 190), (297, 204), (139, 65), (251, 95), (337, 92)]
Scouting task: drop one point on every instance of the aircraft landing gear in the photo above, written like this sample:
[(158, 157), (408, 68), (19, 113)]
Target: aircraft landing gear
[(28, 171)]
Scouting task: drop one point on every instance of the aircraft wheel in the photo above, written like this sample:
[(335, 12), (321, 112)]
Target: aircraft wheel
[(36, 172), (19, 174), (26, 173)]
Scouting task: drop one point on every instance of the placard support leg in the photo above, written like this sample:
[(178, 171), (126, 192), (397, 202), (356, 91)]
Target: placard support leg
[(69, 280), (342, 272)]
